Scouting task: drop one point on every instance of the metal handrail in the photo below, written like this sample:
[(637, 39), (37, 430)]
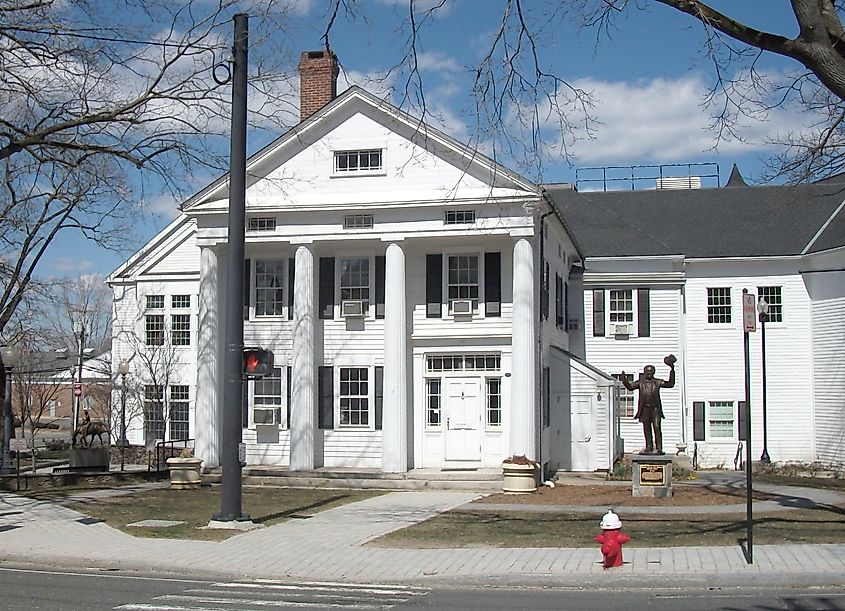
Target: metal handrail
[(161, 453)]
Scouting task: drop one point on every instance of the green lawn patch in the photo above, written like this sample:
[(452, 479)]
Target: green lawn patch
[(265, 505), (466, 529)]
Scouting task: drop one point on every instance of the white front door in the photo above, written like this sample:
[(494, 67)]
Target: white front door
[(463, 419), (582, 433)]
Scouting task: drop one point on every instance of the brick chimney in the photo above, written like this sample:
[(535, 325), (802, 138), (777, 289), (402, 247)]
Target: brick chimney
[(318, 72)]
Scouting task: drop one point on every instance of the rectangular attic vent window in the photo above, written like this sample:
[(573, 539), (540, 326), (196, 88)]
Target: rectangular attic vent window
[(350, 162), (459, 217), (262, 223), (358, 221)]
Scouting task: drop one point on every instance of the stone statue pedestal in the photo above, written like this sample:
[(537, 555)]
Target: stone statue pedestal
[(89, 459), (652, 475)]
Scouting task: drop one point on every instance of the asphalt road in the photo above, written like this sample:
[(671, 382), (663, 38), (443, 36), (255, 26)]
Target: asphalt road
[(34, 588)]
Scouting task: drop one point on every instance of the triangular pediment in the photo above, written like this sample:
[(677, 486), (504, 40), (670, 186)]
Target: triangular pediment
[(420, 164)]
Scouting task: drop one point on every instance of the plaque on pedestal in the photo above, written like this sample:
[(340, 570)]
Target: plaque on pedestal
[(652, 475), (89, 459)]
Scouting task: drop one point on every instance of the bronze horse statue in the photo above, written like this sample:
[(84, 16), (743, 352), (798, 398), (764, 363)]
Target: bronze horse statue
[(89, 430)]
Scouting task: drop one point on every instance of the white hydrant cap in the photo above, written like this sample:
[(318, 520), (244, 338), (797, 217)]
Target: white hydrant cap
[(611, 521)]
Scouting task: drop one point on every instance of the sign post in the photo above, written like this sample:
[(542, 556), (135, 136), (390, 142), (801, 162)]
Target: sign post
[(749, 325)]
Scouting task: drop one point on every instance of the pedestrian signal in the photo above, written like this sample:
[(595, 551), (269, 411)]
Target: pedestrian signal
[(258, 363)]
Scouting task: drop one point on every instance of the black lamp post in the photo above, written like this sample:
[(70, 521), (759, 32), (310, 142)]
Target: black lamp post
[(122, 369), (763, 311), (10, 359), (79, 334)]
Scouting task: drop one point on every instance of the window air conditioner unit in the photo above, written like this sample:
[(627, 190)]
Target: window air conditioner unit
[(352, 308), (618, 329), (461, 306), (264, 415)]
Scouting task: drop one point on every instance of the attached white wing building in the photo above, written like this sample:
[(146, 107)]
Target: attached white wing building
[(664, 272)]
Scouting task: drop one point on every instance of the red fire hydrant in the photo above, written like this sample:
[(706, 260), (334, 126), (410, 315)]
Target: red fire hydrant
[(611, 540)]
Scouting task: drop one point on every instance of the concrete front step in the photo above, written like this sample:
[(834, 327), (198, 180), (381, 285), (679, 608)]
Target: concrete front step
[(483, 480)]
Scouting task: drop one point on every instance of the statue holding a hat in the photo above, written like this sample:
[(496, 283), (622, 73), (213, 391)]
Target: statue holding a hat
[(649, 407)]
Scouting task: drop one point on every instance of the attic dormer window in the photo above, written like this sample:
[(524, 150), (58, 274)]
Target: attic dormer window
[(459, 217), (357, 162)]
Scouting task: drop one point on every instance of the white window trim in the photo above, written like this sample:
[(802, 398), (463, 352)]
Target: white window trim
[(356, 173), (283, 424), (371, 398), (370, 312), (446, 307), (734, 438), (253, 289), (635, 323)]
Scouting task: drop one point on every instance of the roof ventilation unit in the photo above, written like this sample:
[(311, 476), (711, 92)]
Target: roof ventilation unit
[(679, 182)]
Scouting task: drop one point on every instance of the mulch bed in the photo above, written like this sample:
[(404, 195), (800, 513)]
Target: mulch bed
[(614, 495)]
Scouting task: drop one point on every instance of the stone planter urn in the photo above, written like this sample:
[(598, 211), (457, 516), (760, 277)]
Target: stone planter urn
[(184, 472), (520, 475)]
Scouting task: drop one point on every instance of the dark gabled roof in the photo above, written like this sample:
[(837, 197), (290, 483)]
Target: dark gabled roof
[(736, 222)]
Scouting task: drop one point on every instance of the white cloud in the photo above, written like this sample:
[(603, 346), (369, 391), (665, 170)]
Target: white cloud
[(164, 206), (439, 62), (68, 264), (664, 120)]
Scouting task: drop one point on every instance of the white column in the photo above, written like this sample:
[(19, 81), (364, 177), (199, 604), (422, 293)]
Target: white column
[(207, 412), (303, 370), (523, 397), (394, 457)]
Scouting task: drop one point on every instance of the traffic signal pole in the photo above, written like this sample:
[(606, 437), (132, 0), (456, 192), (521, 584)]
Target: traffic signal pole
[(230, 498)]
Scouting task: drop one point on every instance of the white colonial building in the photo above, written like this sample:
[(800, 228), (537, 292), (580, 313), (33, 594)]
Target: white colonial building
[(664, 272), (412, 290), (429, 308)]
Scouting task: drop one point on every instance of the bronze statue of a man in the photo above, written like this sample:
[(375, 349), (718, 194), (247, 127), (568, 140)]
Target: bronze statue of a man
[(649, 407)]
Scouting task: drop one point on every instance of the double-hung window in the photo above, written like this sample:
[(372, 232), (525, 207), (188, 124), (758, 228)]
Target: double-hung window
[(269, 283), (179, 412), (154, 321), (354, 397), (180, 323), (626, 397), (463, 279), (719, 305), (774, 297), (621, 306), (355, 281), (267, 399), (154, 423), (720, 419)]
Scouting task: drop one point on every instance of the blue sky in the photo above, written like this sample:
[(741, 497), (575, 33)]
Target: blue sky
[(648, 76)]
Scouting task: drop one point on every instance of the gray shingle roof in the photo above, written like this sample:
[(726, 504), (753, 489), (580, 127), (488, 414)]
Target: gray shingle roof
[(738, 222)]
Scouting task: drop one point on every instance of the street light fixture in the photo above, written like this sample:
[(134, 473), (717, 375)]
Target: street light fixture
[(79, 334), (10, 359), (122, 369), (763, 311)]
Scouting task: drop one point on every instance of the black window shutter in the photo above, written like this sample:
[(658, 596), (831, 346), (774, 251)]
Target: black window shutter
[(380, 263), (565, 305), (379, 396), (245, 404), (492, 284), (326, 287), (558, 301), (643, 313), (698, 420), (289, 376), (544, 296), (247, 287), (742, 416), (325, 398), (291, 284), (433, 285), (598, 312)]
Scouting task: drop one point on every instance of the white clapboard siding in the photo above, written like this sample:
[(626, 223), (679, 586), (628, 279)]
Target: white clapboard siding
[(178, 258), (273, 454), (715, 368), (352, 449), (631, 355), (829, 374)]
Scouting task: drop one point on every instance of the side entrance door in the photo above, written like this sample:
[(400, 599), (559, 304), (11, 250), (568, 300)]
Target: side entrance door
[(582, 433), (463, 419)]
